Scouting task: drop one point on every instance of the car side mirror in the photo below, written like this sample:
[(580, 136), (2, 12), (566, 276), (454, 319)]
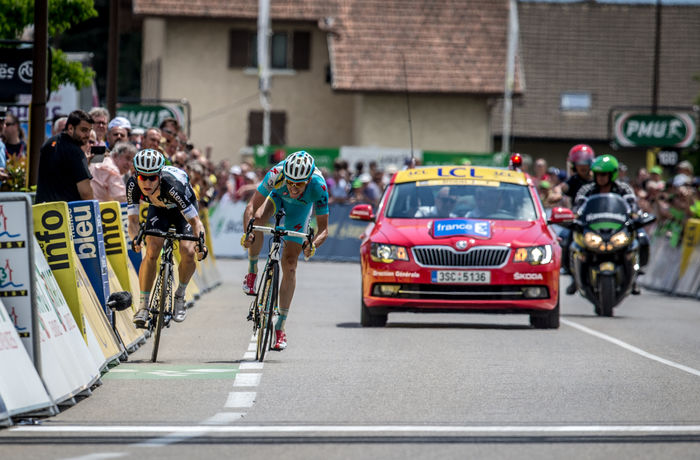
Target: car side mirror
[(362, 212), (561, 216)]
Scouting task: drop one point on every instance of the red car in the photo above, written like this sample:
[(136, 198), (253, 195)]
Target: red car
[(460, 239)]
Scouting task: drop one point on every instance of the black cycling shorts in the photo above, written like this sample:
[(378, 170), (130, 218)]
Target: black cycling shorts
[(159, 218)]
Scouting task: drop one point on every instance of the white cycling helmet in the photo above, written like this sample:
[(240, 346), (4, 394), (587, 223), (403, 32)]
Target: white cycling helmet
[(149, 161), (299, 166)]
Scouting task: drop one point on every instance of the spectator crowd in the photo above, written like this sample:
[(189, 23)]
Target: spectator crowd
[(672, 194)]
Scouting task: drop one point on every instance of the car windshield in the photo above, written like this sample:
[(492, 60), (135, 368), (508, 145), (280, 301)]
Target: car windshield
[(436, 199)]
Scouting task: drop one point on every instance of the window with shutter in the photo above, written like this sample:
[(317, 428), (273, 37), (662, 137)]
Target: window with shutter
[(278, 126), (239, 56), (301, 58)]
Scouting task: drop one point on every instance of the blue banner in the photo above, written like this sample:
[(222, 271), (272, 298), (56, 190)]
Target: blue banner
[(134, 256), (343, 243), (88, 241)]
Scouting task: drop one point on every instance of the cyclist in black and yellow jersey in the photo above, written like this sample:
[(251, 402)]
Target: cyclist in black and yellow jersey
[(172, 203)]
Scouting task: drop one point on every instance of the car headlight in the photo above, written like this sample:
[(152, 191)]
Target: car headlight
[(593, 241), (388, 253), (620, 239), (534, 255)]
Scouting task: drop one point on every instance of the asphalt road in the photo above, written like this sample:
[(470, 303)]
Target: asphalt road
[(425, 386)]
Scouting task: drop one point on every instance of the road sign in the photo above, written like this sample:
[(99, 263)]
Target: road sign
[(664, 130)]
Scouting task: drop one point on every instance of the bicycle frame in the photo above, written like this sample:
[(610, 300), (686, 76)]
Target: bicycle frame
[(161, 306)]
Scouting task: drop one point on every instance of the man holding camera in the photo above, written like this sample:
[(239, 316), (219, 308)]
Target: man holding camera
[(63, 168)]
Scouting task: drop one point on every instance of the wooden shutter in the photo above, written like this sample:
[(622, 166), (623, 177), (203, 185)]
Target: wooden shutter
[(301, 57), (278, 127), (238, 48)]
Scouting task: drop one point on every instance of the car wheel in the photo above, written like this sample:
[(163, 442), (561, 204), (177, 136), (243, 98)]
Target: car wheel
[(369, 319), (550, 320)]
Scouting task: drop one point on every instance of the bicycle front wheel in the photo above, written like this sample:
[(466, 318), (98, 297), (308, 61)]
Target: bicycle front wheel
[(266, 305), (163, 293)]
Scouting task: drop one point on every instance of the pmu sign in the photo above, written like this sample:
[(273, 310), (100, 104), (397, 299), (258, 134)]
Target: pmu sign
[(664, 130)]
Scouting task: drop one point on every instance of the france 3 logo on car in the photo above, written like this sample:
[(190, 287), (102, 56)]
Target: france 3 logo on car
[(462, 227)]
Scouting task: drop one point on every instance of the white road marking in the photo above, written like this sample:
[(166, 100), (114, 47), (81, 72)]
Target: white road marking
[(249, 355), (174, 437), (252, 346), (98, 456), (222, 418), (254, 366), (247, 380), (631, 348), (195, 430), (240, 399)]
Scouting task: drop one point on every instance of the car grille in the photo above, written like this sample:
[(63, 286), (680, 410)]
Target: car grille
[(463, 292), (441, 256)]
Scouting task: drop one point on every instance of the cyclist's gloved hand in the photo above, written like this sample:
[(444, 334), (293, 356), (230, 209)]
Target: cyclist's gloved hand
[(247, 240), (309, 250)]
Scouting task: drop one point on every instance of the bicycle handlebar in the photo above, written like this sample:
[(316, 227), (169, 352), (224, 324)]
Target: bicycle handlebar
[(171, 235), (277, 232)]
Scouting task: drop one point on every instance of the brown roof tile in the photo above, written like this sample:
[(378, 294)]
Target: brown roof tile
[(279, 9), (448, 46)]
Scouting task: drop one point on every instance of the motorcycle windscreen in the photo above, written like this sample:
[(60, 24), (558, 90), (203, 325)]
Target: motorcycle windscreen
[(607, 210)]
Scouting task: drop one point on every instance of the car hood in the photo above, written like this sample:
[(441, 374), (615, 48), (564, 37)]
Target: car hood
[(416, 232)]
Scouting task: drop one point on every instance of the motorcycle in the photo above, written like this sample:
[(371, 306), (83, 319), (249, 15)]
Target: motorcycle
[(605, 251)]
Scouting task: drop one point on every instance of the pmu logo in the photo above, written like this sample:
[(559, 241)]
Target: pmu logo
[(6, 277), (3, 227)]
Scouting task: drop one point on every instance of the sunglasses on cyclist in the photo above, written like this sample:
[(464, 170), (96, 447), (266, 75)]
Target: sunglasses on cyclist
[(295, 184), (148, 178)]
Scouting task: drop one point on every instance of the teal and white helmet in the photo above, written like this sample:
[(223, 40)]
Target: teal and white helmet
[(149, 161), (299, 166)]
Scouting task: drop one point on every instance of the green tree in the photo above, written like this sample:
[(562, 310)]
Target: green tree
[(16, 15)]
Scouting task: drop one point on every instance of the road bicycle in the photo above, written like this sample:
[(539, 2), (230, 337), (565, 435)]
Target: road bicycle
[(161, 304), (264, 306)]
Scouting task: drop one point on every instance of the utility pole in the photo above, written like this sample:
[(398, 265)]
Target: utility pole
[(37, 115), (510, 75), (264, 65), (113, 57), (657, 53)]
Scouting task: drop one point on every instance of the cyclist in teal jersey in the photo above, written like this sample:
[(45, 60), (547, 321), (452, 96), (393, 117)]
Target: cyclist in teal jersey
[(297, 186)]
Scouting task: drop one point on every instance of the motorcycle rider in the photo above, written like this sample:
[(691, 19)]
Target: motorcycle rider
[(580, 159), (605, 170)]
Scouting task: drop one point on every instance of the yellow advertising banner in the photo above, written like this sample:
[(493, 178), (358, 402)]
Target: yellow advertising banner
[(192, 290), (134, 282), (691, 240), (115, 242), (95, 315), (55, 237), (123, 319), (143, 212)]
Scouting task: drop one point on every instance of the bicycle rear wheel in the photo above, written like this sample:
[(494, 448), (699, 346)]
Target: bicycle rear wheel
[(166, 281), (266, 304)]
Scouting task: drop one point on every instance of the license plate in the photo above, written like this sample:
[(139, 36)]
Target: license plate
[(461, 276)]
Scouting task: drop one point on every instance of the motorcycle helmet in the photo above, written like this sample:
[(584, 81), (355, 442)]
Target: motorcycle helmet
[(606, 164), (299, 166), (581, 154)]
